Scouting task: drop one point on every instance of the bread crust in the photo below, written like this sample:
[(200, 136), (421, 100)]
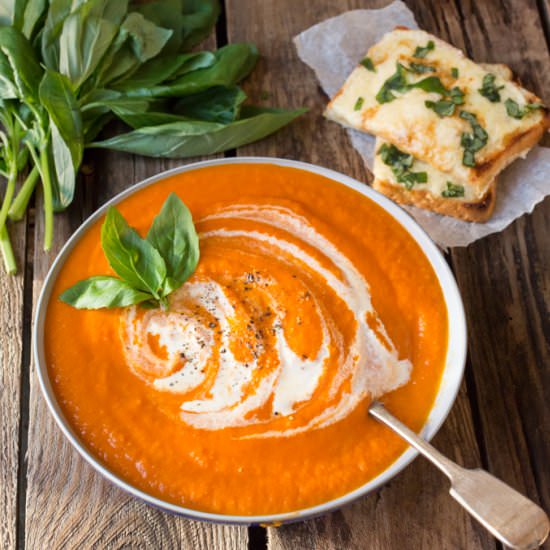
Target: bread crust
[(479, 211), (519, 146)]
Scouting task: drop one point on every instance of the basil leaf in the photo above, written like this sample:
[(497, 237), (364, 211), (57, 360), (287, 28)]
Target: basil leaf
[(489, 90), (430, 84), (419, 68), (368, 64), (199, 17), (93, 126), (137, 41), (102, 292), (358, 104), (443, 107), (140, 119), (132, 258), (167, 14), (233, 63), (401, 163), (21, 14), (146, 38), (97, 112), (453, 190), (392, 156), (194, 138), (515, 111), (191, 20), (422, 51), (23, 63), (34, 10), (173, 235), (11, 13), (8, 88), (396, 82), (472, 142), (454, 72), (457, 95), (408, 179), (57, 97), (58, 11), (217, 104), (67, 134), (86, 35), (82, 44), (159, 69)]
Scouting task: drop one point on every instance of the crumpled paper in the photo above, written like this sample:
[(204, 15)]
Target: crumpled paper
[(333, 49)]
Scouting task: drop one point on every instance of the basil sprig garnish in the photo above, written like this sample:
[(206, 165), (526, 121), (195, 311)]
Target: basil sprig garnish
[(149, 269), (474, 141), (489, 90), (401, 164), (515, 111)]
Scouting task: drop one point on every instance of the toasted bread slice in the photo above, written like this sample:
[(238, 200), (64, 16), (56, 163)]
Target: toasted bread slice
[(397, 112), (459, 201), (431, 193)]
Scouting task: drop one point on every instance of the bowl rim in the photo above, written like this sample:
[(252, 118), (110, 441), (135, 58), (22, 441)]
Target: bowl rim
[(446, 395)]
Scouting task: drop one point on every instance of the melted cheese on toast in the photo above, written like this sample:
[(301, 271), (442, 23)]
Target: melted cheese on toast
[(408, 123)]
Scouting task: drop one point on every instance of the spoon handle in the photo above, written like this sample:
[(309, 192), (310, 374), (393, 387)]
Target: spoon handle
[(509, 516)]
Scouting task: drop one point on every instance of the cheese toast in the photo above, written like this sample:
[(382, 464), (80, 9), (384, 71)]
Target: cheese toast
[(437, 192), (425, 97)]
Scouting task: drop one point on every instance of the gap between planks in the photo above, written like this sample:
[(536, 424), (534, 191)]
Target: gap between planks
[(25, 378)]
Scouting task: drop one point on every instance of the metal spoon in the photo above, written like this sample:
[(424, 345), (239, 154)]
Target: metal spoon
[(509, 516)]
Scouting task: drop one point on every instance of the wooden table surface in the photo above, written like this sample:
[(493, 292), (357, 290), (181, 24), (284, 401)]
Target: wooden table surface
[(50, 498)]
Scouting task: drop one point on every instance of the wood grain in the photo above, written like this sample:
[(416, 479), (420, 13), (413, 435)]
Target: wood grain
[(505, 278), (11, 355), (414, 510)]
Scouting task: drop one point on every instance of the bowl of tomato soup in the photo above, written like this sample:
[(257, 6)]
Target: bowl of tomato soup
[(245, 400)]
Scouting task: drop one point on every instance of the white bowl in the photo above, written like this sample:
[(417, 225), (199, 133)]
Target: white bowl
[(450, 382)]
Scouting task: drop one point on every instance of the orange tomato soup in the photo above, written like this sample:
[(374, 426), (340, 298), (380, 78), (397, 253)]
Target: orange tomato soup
[(249, 395)]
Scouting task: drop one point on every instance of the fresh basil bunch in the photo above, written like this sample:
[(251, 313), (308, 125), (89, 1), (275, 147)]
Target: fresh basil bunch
[(149, 269), (68, 67)]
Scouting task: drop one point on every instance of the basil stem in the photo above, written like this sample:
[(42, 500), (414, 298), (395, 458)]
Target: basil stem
[(21, 201), (8, 196), (48, 198), (7, 251)]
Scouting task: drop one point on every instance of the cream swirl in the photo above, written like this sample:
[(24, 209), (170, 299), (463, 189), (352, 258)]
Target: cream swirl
[(275, 331)]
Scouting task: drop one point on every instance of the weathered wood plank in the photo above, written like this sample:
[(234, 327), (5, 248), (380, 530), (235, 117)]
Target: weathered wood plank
[(505, 278), (11, 355), (414, 510)]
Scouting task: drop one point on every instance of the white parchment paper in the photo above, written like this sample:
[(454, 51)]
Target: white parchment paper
[(333, 49)]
